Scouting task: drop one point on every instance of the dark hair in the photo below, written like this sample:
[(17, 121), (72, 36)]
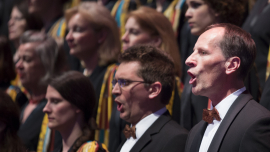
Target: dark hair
[(230, 11), (78, 90), (237, 42), (7, 69), (33, 22), (10, 115), (156, 65)]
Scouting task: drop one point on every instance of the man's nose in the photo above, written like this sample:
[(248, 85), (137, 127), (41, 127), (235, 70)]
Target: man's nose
[(190, 61)]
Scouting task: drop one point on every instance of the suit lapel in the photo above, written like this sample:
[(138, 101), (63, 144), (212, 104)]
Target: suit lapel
[(153, 129), (195, 136), (120, 146), (236, 107)]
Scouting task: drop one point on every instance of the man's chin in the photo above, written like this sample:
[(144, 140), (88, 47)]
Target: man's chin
[(195, 91), (124, 116)]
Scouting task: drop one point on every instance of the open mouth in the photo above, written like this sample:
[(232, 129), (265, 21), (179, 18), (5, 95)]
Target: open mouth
[(119, 106), (192, 79)]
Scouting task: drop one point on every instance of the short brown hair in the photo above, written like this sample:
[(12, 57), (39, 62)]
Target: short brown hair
[(156, 65), (230, 11), (237, 42)]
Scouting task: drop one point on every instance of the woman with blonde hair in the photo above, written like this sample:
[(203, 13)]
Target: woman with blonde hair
[(147, 26), (93, 37)]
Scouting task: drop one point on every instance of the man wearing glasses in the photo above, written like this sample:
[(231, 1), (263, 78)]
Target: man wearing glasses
[(143, 86)]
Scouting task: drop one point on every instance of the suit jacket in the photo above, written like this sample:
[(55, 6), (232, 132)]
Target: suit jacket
[(164, 135), (245, 128)]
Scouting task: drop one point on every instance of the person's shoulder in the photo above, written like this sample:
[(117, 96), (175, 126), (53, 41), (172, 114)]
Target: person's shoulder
[(92, 146), (256, 108), (172, 128)]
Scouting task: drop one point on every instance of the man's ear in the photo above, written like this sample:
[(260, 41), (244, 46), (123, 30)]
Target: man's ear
[(156, 41), (232, 64), (154, 90), (102, 35)]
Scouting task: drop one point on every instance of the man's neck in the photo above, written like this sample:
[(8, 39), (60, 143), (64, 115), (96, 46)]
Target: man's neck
[(222, 94), (147, 113)]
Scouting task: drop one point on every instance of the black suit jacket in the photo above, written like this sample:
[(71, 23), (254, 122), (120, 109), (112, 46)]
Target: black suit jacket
[(245, 128), (164, 135)]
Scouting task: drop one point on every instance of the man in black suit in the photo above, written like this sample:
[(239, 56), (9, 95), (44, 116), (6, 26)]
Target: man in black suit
[(143, 86), (222, 57)]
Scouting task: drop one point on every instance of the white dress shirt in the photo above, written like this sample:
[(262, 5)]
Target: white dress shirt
[(141, 127), (222, 108)]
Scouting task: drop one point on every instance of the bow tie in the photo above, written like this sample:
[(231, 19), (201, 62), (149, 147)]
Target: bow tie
[(129, 131), (209, 115)]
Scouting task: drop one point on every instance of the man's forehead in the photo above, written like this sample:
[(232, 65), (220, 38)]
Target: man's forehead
[(127, 69), (212, 36)]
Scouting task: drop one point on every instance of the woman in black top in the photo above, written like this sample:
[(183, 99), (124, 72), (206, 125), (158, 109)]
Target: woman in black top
[(70, 107)]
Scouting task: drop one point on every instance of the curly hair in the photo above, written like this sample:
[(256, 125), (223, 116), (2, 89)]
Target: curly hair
[(230, 11)]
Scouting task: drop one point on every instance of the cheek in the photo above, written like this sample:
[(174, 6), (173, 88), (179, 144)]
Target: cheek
[(22, 26), (65, 113), (35, 70), (206, 18), (142, 39), (85, 40)]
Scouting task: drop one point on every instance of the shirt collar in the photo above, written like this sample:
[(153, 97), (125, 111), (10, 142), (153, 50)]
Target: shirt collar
[(146, 122), (226, 103)]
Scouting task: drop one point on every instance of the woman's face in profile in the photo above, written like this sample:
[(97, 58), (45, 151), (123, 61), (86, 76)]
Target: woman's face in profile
[(199, 16), (29, 66), (135, 34), (61, 113), (82, 39), (16, 24)]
